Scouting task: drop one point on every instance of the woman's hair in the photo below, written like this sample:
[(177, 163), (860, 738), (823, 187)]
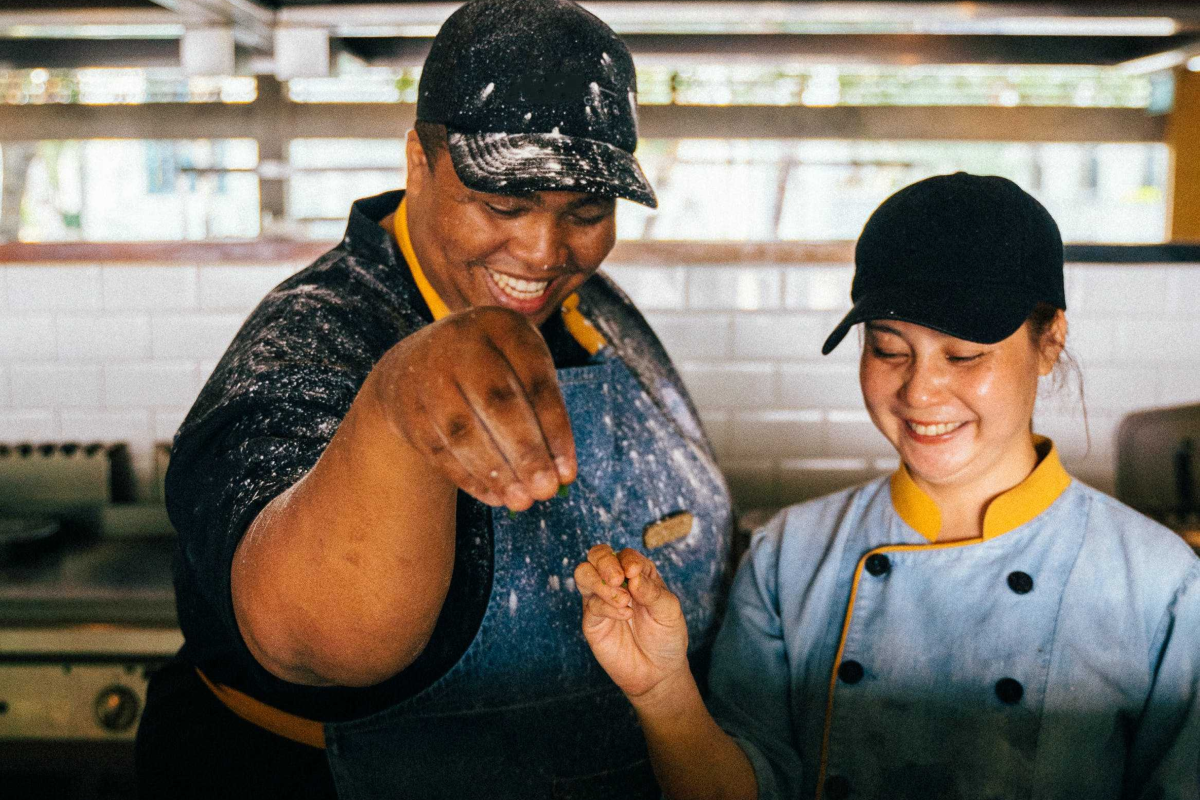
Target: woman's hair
[(1040, 320)]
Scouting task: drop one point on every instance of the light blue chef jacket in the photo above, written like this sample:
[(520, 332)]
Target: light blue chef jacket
[(1056, 657)]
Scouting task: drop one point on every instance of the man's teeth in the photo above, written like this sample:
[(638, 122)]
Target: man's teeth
[(934, 430), (517, 287)]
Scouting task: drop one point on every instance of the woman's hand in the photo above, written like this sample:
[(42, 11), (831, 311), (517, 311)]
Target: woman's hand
[(636, 630)]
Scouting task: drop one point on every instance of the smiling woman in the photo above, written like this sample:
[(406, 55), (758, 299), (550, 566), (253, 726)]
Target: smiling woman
[(978, 624), (957, 412)]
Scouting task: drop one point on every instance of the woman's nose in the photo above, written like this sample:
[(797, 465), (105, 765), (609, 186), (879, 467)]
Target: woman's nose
[(924, 385), (539, 243)]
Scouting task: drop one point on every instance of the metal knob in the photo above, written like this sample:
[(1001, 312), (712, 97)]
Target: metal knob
[(117, 708)]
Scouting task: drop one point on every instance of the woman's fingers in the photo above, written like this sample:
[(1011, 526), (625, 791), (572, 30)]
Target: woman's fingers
[(607, 564), (647, 588), (634, 564), (597, 607), (600, 579), (590, 584)]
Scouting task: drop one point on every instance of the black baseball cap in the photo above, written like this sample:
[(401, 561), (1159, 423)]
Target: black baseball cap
[(535, 95), (967, 255)]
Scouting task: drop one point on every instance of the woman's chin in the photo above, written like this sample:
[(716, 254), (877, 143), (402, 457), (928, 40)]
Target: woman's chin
[(933, 468)]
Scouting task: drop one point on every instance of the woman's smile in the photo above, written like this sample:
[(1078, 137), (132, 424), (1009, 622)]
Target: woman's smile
[(932, 432)]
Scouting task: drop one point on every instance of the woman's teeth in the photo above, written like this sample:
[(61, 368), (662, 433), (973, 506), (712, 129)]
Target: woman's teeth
[(934, 430), (518, 288)]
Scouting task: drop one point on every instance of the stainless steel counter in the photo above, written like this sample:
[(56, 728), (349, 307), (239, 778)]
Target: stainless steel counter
[(84, 578)]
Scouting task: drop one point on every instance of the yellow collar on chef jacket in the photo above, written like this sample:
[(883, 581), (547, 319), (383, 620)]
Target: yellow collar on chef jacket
[(588, 337), (1010, 510)]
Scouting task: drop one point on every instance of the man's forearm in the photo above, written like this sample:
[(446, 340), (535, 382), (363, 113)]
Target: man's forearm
[(340, 579), (692, 757)]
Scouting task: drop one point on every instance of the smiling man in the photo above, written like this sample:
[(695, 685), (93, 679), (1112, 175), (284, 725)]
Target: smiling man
[(383, 489)]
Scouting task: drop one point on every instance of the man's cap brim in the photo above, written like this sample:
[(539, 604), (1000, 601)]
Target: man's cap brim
[(980, 315), (516, 163)]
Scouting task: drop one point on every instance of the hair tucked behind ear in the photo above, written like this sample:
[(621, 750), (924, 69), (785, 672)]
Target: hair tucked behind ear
[(1040, 320)]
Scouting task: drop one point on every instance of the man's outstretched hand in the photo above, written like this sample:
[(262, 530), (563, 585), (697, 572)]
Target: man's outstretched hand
[(476, 394)]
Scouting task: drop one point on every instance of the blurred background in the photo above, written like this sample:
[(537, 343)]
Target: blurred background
[(166, 162)]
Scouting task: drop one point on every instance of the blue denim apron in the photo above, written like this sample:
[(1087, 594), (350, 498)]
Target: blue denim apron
[(527, 712)]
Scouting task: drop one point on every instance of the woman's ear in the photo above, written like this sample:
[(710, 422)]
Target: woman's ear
[(1054, 339)]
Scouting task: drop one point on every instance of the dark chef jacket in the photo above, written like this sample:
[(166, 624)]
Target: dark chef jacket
[(263, 419)]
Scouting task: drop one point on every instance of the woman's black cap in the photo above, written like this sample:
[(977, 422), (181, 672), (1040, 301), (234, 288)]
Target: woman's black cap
[(535, 95), (967, 255)]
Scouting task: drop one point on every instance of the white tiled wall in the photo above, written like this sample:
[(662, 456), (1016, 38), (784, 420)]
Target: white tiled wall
[(789, 423), (118, 352)]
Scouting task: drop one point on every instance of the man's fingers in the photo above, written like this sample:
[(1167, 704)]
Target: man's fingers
[(438, 450), (529, 359), (540, 385), (500, 403), (463, 479), (464, 436), (487, 384)]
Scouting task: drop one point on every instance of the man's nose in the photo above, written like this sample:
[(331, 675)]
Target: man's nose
[(539, 243)]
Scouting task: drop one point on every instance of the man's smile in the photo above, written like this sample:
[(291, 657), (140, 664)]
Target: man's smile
[(523, 295), (518, 288)]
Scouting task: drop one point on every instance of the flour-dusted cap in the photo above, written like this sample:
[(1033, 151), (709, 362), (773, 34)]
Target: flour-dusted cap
[(967, 255), (535, 95)]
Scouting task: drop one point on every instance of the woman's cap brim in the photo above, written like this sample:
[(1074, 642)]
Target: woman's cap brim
[(953, 310)]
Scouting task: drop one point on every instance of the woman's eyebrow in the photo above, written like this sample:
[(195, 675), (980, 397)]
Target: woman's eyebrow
[(876, 326)]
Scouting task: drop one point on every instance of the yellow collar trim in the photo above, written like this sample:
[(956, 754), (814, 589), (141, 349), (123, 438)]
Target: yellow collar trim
[(400, 221), (577, 325), (1010, 510)]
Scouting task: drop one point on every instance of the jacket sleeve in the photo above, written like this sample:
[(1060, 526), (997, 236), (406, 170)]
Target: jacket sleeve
[(1164, 757), (750, 679), (261, 422)]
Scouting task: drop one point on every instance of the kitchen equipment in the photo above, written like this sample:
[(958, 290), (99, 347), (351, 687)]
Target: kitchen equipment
[(19, 533), (1158, 467), (66, 478), (86, 616)]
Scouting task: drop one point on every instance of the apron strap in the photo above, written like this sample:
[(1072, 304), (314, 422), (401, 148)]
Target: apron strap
[(269, 718)]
